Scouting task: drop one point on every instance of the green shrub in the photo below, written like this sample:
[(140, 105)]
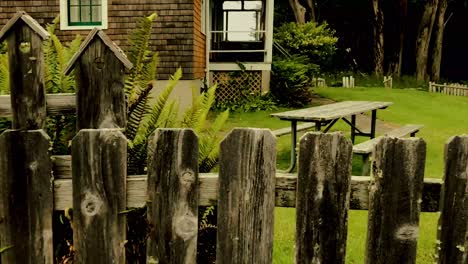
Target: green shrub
[(290, 81), (314, 41)]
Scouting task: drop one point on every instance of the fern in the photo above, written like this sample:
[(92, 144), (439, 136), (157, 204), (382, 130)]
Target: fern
[(144, 62), (4, 75), (56, 57)]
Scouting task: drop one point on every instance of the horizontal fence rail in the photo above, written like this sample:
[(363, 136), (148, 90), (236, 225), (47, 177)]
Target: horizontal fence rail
[(285, 189), (56, 104), (449, 89)]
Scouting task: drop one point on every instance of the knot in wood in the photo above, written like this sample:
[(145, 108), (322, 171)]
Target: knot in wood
[(25, 47), (99, 62), (33, 165), (407, 233), (91, 205), (186, 227), (188, 177)]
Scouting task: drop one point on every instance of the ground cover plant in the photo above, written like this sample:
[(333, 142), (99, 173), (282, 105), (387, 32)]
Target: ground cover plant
[(442, 117)]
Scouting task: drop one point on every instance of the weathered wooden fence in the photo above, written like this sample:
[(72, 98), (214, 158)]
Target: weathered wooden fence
[(94, 183), (388, 81), (348, 81), (450, 89)]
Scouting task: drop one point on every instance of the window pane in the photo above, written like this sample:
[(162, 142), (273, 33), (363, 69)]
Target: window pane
[(85, 14), (74, 14), (253, 5), (242, 21), (96, 2), (74, 2), (96, 14), (237, 5)]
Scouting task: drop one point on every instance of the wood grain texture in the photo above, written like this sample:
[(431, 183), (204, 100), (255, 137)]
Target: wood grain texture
[(26, 67), (99, 159), (323, 191), (452, 246), (246, 197), (56, 104), (285, 194), (99, 76), (19, 18), (173, 196), (26, 198), (395, 201), (97, 33)]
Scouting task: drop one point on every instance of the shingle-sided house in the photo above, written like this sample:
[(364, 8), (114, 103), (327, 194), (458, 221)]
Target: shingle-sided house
[(206, 38)]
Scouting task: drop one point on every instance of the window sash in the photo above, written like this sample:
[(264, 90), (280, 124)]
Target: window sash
[(84, 12)]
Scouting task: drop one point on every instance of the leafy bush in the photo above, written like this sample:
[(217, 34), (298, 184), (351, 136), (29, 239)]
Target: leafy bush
[(314, 41), (290, 81)]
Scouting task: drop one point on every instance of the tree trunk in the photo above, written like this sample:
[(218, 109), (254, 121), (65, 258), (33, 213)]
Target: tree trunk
[(299, 11), (378, 38), (310, 11), (439, 25), (423, 38), (397, 35)]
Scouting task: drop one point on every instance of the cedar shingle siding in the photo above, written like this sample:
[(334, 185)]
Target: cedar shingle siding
[(176, 32)]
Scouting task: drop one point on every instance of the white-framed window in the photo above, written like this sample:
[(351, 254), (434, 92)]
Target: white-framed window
[(243, 19), (83, 14)]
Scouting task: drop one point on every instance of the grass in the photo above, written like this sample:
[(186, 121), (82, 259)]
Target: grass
[(442, 116)]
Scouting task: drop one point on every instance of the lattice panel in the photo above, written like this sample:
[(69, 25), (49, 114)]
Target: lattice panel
[(231, 85)]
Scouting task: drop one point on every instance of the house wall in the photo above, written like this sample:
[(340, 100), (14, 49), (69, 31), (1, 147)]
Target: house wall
[(176, 33), (199, 42)]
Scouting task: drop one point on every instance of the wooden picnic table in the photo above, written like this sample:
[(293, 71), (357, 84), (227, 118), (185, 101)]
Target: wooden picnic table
[(328, 115)]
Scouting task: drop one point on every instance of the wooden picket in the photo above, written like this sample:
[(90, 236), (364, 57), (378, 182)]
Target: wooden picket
[(449, 89), (94, 183)]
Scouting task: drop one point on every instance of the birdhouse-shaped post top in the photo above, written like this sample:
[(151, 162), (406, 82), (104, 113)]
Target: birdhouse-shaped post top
[(97, 34), (99, 68), (26, 60), (22, 17)]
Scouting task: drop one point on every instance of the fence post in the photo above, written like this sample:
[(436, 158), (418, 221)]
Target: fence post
[(322, 198), (26, 196), (453, 230), (395, 200), (99, 152), (246, 197), (99, 78), (26, 65), (172, 196)]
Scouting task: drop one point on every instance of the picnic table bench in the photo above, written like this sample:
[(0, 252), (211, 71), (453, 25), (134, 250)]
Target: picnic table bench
[(328, 115), (365, 148)]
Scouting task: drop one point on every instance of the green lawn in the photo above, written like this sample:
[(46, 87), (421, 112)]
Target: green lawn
[(442, 116)]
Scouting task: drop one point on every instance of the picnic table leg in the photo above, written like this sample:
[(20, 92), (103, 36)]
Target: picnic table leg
[(373, 123), (293, 145), (353, 128), (318, 126)]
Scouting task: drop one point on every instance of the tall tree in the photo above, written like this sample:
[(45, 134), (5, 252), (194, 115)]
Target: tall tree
[(378, 37), (304, 10), (439, 26), (397, 12), (423, 38)]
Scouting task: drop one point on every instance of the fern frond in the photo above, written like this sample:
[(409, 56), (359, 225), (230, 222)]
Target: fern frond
[(207, 100), (161, 101), (167, 118), (4, 75)]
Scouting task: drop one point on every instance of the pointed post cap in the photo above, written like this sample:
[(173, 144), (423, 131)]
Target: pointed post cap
[(97, 33), (23, 17)]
